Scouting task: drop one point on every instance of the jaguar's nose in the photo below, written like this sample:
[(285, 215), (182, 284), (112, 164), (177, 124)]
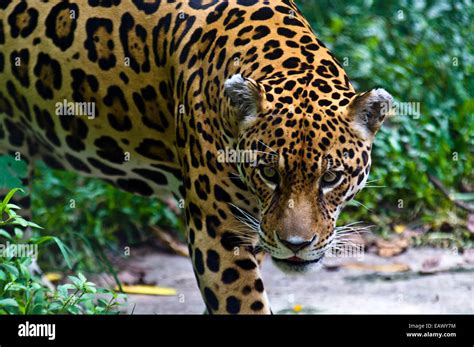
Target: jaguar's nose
[(296, 243)]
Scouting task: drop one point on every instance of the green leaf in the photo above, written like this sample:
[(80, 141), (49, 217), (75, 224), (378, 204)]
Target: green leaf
[(13, 206), (5, 234), (8, 197), (12, 270), (65, 251), (12, 171), (81, 277), (18, 233), (76, 281), (8, 303)]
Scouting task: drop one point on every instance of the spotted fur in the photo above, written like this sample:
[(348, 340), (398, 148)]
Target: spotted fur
[(176, 82)]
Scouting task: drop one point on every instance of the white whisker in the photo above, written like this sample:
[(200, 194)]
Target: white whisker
[(271, 149), (358, 203)]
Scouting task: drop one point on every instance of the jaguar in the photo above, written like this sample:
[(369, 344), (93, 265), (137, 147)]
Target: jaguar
[(174, 85)]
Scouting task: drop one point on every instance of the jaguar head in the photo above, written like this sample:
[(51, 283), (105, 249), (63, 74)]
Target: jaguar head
[(311, 156)]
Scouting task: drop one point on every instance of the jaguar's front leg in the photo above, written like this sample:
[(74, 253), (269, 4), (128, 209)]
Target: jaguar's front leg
[(227, 271)]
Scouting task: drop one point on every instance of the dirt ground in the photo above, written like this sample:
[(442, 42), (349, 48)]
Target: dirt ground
[(419, 281)]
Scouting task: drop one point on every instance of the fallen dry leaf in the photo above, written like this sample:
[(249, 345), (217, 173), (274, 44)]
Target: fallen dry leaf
[(443, 263), (430, 264), (399, 228), (297, 308), (391, 248), (147, 290), (53, 276), (394, 267)]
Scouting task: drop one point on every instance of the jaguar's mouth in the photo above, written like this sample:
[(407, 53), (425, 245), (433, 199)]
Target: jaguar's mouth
[(295, 259), (295, 264)]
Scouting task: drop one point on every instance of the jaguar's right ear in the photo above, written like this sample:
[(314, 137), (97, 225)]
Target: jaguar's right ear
[(247, 96), (368, 111)]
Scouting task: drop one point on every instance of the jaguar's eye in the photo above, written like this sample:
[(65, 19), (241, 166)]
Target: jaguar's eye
[(270, 174), (330, 178)]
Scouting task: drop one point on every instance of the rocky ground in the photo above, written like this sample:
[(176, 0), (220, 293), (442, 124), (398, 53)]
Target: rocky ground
[(420, 281)]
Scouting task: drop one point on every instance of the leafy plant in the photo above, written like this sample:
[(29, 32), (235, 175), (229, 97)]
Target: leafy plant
[(22, 292), (93, 218)]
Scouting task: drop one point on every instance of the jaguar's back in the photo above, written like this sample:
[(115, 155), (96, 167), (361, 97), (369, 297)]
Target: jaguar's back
[(88, 87)]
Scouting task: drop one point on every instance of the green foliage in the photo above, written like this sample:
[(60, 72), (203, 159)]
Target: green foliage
[(420, 51), (91, 217), (12, 172), (24, 293)]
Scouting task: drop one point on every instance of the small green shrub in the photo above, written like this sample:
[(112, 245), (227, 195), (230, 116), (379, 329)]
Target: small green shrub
[(22, 292)]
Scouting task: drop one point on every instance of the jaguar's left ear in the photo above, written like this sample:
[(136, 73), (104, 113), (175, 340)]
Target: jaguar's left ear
[(247, 96), (368, 111)]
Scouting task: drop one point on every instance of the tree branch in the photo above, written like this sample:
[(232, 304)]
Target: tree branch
[(461, 204)]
